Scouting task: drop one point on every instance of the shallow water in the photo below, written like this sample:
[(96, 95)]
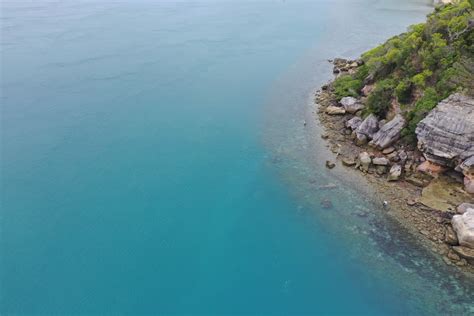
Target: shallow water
[(154, 161)]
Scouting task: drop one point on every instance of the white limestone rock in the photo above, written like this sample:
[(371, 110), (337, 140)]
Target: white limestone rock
[(463, 225)]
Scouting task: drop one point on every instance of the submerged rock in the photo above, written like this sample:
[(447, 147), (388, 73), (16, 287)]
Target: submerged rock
[(330, 164), (463, 225), (446, 134), (389, 133), (326, 203)]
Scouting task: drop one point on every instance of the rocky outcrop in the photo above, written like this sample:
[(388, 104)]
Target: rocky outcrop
[(368, 127), (463, 225), (462, 208), (388, 133), (446, 134), (365, 160), (342, 65), (380, 161), (430, 168), (467, 169), (335, 110), (466, 253), (351, 105), (394, 173), (354, 122), (450, 236), (438, 2)]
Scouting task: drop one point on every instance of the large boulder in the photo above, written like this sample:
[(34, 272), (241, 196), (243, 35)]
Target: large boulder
[(389, 133), (446, 134), (365, 160), (467, 168), (464, 227), (380, 161), (335, 110), (466, 253), (368, 127), (395, 173), (351, 104), (462, 208), (354, 122)]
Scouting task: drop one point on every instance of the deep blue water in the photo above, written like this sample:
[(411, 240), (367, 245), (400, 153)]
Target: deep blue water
[(150, 163)]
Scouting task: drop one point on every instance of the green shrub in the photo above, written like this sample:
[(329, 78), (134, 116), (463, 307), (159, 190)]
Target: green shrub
[(403, 91), (420, 79), (347, 86), (422, 107), (433, 59), (362, 73), (380, 99)]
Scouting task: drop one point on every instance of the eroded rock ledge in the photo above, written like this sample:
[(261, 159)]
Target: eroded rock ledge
[(431, 178)]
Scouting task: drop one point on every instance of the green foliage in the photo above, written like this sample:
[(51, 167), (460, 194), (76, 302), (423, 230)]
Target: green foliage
[(403, 91), (379, 100), (347, 86), (422, 66), (422, 107), (420, 79)]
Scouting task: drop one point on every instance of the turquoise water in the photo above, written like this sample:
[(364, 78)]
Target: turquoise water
[(154, 161)]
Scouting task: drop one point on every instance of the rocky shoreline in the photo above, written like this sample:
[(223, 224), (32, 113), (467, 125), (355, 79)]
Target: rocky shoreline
[(431, 200)]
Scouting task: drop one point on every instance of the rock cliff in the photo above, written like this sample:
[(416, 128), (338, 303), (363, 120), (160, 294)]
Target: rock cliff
[(446, 134)]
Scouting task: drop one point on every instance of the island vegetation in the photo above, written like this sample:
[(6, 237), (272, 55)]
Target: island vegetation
[(417, 69), (403, 114)]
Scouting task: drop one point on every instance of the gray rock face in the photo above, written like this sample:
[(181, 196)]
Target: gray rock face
[(368, 127), (462, 208), (463, 225), (360, 139), (450, 236), (403, 156), (354, 122), (380, 161), (389, 133), (467, 168), (395, 173), (351, 105), (446, 134)]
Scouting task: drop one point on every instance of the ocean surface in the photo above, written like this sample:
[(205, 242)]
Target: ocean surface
[(154, 160)]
